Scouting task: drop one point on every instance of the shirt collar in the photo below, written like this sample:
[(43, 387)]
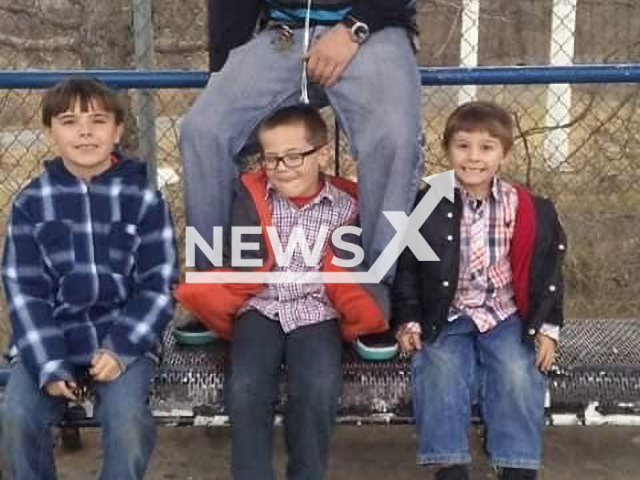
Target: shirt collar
[(495, 192)]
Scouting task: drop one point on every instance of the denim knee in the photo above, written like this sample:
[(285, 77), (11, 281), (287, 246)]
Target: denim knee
[(319, 393), (18, 415), (124, 416), (198, 123), (249, 391)]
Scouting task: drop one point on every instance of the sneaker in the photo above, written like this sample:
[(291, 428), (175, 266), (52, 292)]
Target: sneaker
[(455, 472), (377, 347), (518, 474)]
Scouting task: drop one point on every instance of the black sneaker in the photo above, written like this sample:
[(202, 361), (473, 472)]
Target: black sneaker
[(518, 474), (455, 472)]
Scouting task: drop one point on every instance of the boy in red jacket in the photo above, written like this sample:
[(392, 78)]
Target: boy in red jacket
[(288, 322)]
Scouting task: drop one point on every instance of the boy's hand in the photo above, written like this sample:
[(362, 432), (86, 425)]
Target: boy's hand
[(104, 367), (61, 388), (330, 55), (409, 338), (546, 352)]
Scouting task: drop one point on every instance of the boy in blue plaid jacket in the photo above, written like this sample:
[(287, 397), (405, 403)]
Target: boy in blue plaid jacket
[(88, 266)]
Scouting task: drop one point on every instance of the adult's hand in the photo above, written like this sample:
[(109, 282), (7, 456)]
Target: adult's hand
[(330, 55)]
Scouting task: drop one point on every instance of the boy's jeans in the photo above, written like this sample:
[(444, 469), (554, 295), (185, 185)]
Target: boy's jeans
[(377, 101), (312, 355), (128, 428), (511, 394)]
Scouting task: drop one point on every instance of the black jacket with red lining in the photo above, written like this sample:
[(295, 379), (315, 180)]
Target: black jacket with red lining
[(423, 291)]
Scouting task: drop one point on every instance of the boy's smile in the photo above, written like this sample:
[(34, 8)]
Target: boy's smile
[(85, 140), (476, 157)]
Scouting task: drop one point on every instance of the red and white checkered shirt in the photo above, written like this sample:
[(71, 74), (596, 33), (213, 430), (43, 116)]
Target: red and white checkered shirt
[(298, 304), (484, 290)]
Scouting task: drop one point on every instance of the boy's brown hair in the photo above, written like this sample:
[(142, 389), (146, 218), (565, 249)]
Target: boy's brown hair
[(88, 91), (480, 116), (309, 117)]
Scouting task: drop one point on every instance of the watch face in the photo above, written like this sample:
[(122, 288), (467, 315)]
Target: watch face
[(360, 31)]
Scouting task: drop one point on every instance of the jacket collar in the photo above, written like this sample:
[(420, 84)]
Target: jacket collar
[(123, 167)]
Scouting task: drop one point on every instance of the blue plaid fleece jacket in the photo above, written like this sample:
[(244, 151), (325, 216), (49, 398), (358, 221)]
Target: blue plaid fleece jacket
[(88, 266)]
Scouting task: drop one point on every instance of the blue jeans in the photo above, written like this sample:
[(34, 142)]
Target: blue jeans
[(128, 428), (312, 355), (377, 101), (511, 393)]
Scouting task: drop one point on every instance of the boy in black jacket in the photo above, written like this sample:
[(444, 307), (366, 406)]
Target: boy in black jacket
[(474, 318)]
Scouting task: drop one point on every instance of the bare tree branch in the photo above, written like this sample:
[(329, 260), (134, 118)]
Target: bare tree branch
[(59, 44), (602, 124), (527, 151), (577, 119), (424, 6), (452, 31)]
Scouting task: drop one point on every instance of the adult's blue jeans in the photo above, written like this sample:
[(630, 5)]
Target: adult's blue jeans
[(377, 101), (312, 356), (128, 428), (445, 373)]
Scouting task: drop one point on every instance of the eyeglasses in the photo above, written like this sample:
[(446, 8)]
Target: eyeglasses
[(290, 160)]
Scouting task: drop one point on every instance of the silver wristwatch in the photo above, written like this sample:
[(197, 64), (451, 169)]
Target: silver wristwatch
[(359, 31)]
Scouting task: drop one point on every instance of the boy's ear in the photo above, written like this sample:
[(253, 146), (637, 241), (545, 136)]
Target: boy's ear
[(506, 158), (324, 156), (119, 131), (49, 137)]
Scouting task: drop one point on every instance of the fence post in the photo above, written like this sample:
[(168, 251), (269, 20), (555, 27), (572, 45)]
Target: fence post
[(562, 49), (143, 41), (469, 38)]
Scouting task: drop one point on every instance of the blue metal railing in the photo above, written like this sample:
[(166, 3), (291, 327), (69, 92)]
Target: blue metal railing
[(526, 75), (436, 76)]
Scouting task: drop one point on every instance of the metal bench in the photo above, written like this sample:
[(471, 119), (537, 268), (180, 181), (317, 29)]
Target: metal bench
[(598, 366), (596, 381)]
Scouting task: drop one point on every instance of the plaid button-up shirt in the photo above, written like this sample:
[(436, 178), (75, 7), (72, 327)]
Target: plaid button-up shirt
[(486, 295), (299, 304)]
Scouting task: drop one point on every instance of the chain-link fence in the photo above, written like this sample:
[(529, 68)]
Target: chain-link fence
[(578, 144)]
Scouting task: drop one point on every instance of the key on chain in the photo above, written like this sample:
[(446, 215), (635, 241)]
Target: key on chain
[(284, 38)]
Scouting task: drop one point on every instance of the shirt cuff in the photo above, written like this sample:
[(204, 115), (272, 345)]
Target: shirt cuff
[(551, 331), (54, 371)]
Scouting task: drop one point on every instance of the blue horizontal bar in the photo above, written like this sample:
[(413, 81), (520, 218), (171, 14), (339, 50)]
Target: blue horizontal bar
[(527, 75), (531, 75), (151, 79)]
